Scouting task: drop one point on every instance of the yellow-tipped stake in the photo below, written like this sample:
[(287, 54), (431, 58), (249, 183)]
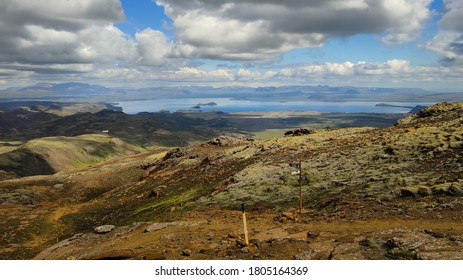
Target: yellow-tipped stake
[(246, 238)]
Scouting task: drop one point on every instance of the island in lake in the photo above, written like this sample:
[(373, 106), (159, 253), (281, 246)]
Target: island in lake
[(204, 104)]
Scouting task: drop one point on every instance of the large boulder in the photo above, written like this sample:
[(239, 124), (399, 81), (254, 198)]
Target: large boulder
[(104, 229)]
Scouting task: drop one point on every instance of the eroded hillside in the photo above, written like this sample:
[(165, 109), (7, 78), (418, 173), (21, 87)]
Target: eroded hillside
[(393, 193)]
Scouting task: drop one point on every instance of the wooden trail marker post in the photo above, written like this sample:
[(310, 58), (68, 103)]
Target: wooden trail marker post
[(299, 171), (245, 227)]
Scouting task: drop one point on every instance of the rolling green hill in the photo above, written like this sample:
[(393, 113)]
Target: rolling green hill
[(54, 154)]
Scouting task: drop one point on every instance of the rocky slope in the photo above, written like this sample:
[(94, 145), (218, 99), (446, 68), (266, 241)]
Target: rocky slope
[(393, 193)]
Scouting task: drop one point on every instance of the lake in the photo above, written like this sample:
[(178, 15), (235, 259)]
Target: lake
[(229, 105)]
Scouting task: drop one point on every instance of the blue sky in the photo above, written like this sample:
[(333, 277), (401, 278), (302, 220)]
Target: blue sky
[(401, 43), (143, 14)]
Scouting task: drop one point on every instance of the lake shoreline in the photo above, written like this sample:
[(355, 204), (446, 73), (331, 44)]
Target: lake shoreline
[(229, 105)]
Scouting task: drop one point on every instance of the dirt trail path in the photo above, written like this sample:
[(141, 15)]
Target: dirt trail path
[(219, 235)]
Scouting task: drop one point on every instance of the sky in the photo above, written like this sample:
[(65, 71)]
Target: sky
[(150, 43)]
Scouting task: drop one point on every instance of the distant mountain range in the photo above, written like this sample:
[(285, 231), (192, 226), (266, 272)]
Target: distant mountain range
[(73, 91), (65, 88)]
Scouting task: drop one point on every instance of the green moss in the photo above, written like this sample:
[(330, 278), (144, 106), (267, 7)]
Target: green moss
[(270, 133), (400, 253), (164, 204)]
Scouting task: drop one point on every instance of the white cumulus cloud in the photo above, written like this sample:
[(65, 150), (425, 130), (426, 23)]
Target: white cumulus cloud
[(449, 40), (34, 34), (251, 29), (153, 47)]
